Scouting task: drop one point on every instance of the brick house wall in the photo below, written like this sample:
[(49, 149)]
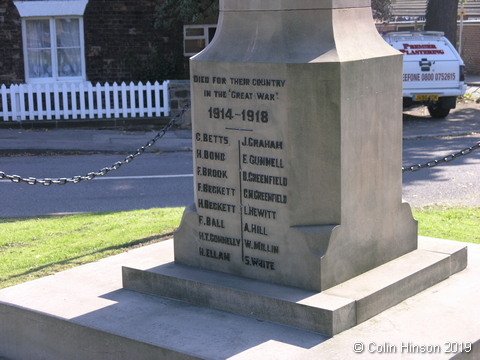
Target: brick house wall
[(471, 47), (11, 51), (120, 38), (115, 30)]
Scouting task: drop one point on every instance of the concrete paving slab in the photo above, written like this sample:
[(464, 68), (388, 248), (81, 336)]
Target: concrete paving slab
[(84, 313)]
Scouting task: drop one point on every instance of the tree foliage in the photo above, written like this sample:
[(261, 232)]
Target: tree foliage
[(172, 15), (442, 16), (381, 9), (172, 12)]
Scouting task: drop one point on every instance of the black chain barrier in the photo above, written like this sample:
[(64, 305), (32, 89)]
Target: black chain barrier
[(443, 160), (161, 133), (101, 172)]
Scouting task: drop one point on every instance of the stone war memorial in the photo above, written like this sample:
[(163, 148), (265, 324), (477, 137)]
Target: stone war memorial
[(297, 244), (297, 146)]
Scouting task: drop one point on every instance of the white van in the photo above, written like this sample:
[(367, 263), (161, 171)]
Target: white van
[(433, 71)]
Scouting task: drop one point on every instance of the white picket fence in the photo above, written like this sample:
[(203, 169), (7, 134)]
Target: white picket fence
[(63, 101)]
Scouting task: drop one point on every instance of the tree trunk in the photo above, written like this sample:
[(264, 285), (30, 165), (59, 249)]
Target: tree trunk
[(442, 16)]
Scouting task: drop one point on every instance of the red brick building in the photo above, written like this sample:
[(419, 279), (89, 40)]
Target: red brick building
[(94, 40), (11, 52), (471, 47)]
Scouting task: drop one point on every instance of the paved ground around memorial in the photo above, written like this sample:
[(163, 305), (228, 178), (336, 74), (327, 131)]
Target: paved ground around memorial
[(440, 320)]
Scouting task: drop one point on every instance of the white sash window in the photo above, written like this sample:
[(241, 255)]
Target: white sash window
[(53, 45)]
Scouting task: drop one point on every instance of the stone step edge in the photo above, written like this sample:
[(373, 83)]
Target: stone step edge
[(330, 312)]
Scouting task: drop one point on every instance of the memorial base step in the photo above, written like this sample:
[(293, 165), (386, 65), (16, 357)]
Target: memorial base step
[(329, 312), (84, 313)]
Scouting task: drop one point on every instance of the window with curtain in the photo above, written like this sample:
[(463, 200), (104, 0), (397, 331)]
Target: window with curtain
[(54, 49)]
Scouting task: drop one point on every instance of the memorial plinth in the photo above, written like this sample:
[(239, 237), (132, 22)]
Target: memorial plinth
[(296, 109)]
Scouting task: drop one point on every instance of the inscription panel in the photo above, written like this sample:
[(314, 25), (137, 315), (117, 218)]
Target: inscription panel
[(241, 168)]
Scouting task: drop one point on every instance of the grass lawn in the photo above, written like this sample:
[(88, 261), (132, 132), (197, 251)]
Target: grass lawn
[(35, 247), (457, 223)]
